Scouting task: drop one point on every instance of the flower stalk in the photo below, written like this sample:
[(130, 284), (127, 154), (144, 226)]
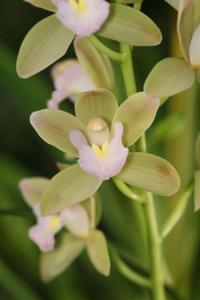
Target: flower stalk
[(177, 213), (157, 281), (116, 56)]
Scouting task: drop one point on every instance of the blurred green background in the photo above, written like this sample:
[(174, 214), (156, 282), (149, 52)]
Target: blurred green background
[(23, 154)]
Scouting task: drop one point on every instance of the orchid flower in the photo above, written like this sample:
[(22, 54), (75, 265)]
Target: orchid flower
[(100, 136), (75, 218), (174, 75), (49, 39), (92, 70), (69, 79), (79, 220)]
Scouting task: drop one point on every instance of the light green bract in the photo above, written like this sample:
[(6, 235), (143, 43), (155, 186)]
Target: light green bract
[(136, 115), (49, 39)]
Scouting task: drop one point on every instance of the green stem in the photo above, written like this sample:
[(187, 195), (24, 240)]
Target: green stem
[(124, 189), (158, 291), (177, 212), (128, 71), (157, 281), (116, 56), (127, 272)]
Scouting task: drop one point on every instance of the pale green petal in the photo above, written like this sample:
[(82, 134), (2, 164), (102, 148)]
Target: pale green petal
[(185, 25), (94, 208), (173, 3), (150, 173), (130, 26), (194, 50), (55, 262), (67, 188), (44, 44), (45, 4), (99, 103), (169, 76), (136, 114), (98, 252), (76, 220), (197, 190), (197, 150), (54, 126), (32, 189), (96, 64)]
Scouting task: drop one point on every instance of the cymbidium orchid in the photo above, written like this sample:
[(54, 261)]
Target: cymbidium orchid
[(106, 141), (99, 136), (79, 220), (91, 70), (74, 219), (49, 40), (174, 75), (69, 79)]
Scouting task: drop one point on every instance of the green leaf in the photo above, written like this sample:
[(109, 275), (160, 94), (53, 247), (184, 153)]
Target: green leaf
[(197, 150), (173, 3), (21, 290), (67, 188), (168, 128), (98, 252), (99, 103), (32, 189), (44, 44), (96, 64), (194, 51), (196, 13), (136, 114), (54, 126), (55, 262), (185, 26), (130, 26), (169, 76), (197, 190), (44, 4), (150, 173), (198, 76)]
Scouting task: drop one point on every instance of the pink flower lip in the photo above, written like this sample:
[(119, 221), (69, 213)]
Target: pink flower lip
[(83, 17), (103, 162)]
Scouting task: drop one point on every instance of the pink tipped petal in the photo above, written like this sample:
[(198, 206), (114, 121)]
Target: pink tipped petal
[(83, 17), (52, 104), (76, 220), (107, 163), (69, 80), (77, 138), (43, 239), (43, 233)]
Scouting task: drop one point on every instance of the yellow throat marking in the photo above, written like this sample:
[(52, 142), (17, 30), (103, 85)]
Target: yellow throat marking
[(55, 222), (100, 152), (78, 5)]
